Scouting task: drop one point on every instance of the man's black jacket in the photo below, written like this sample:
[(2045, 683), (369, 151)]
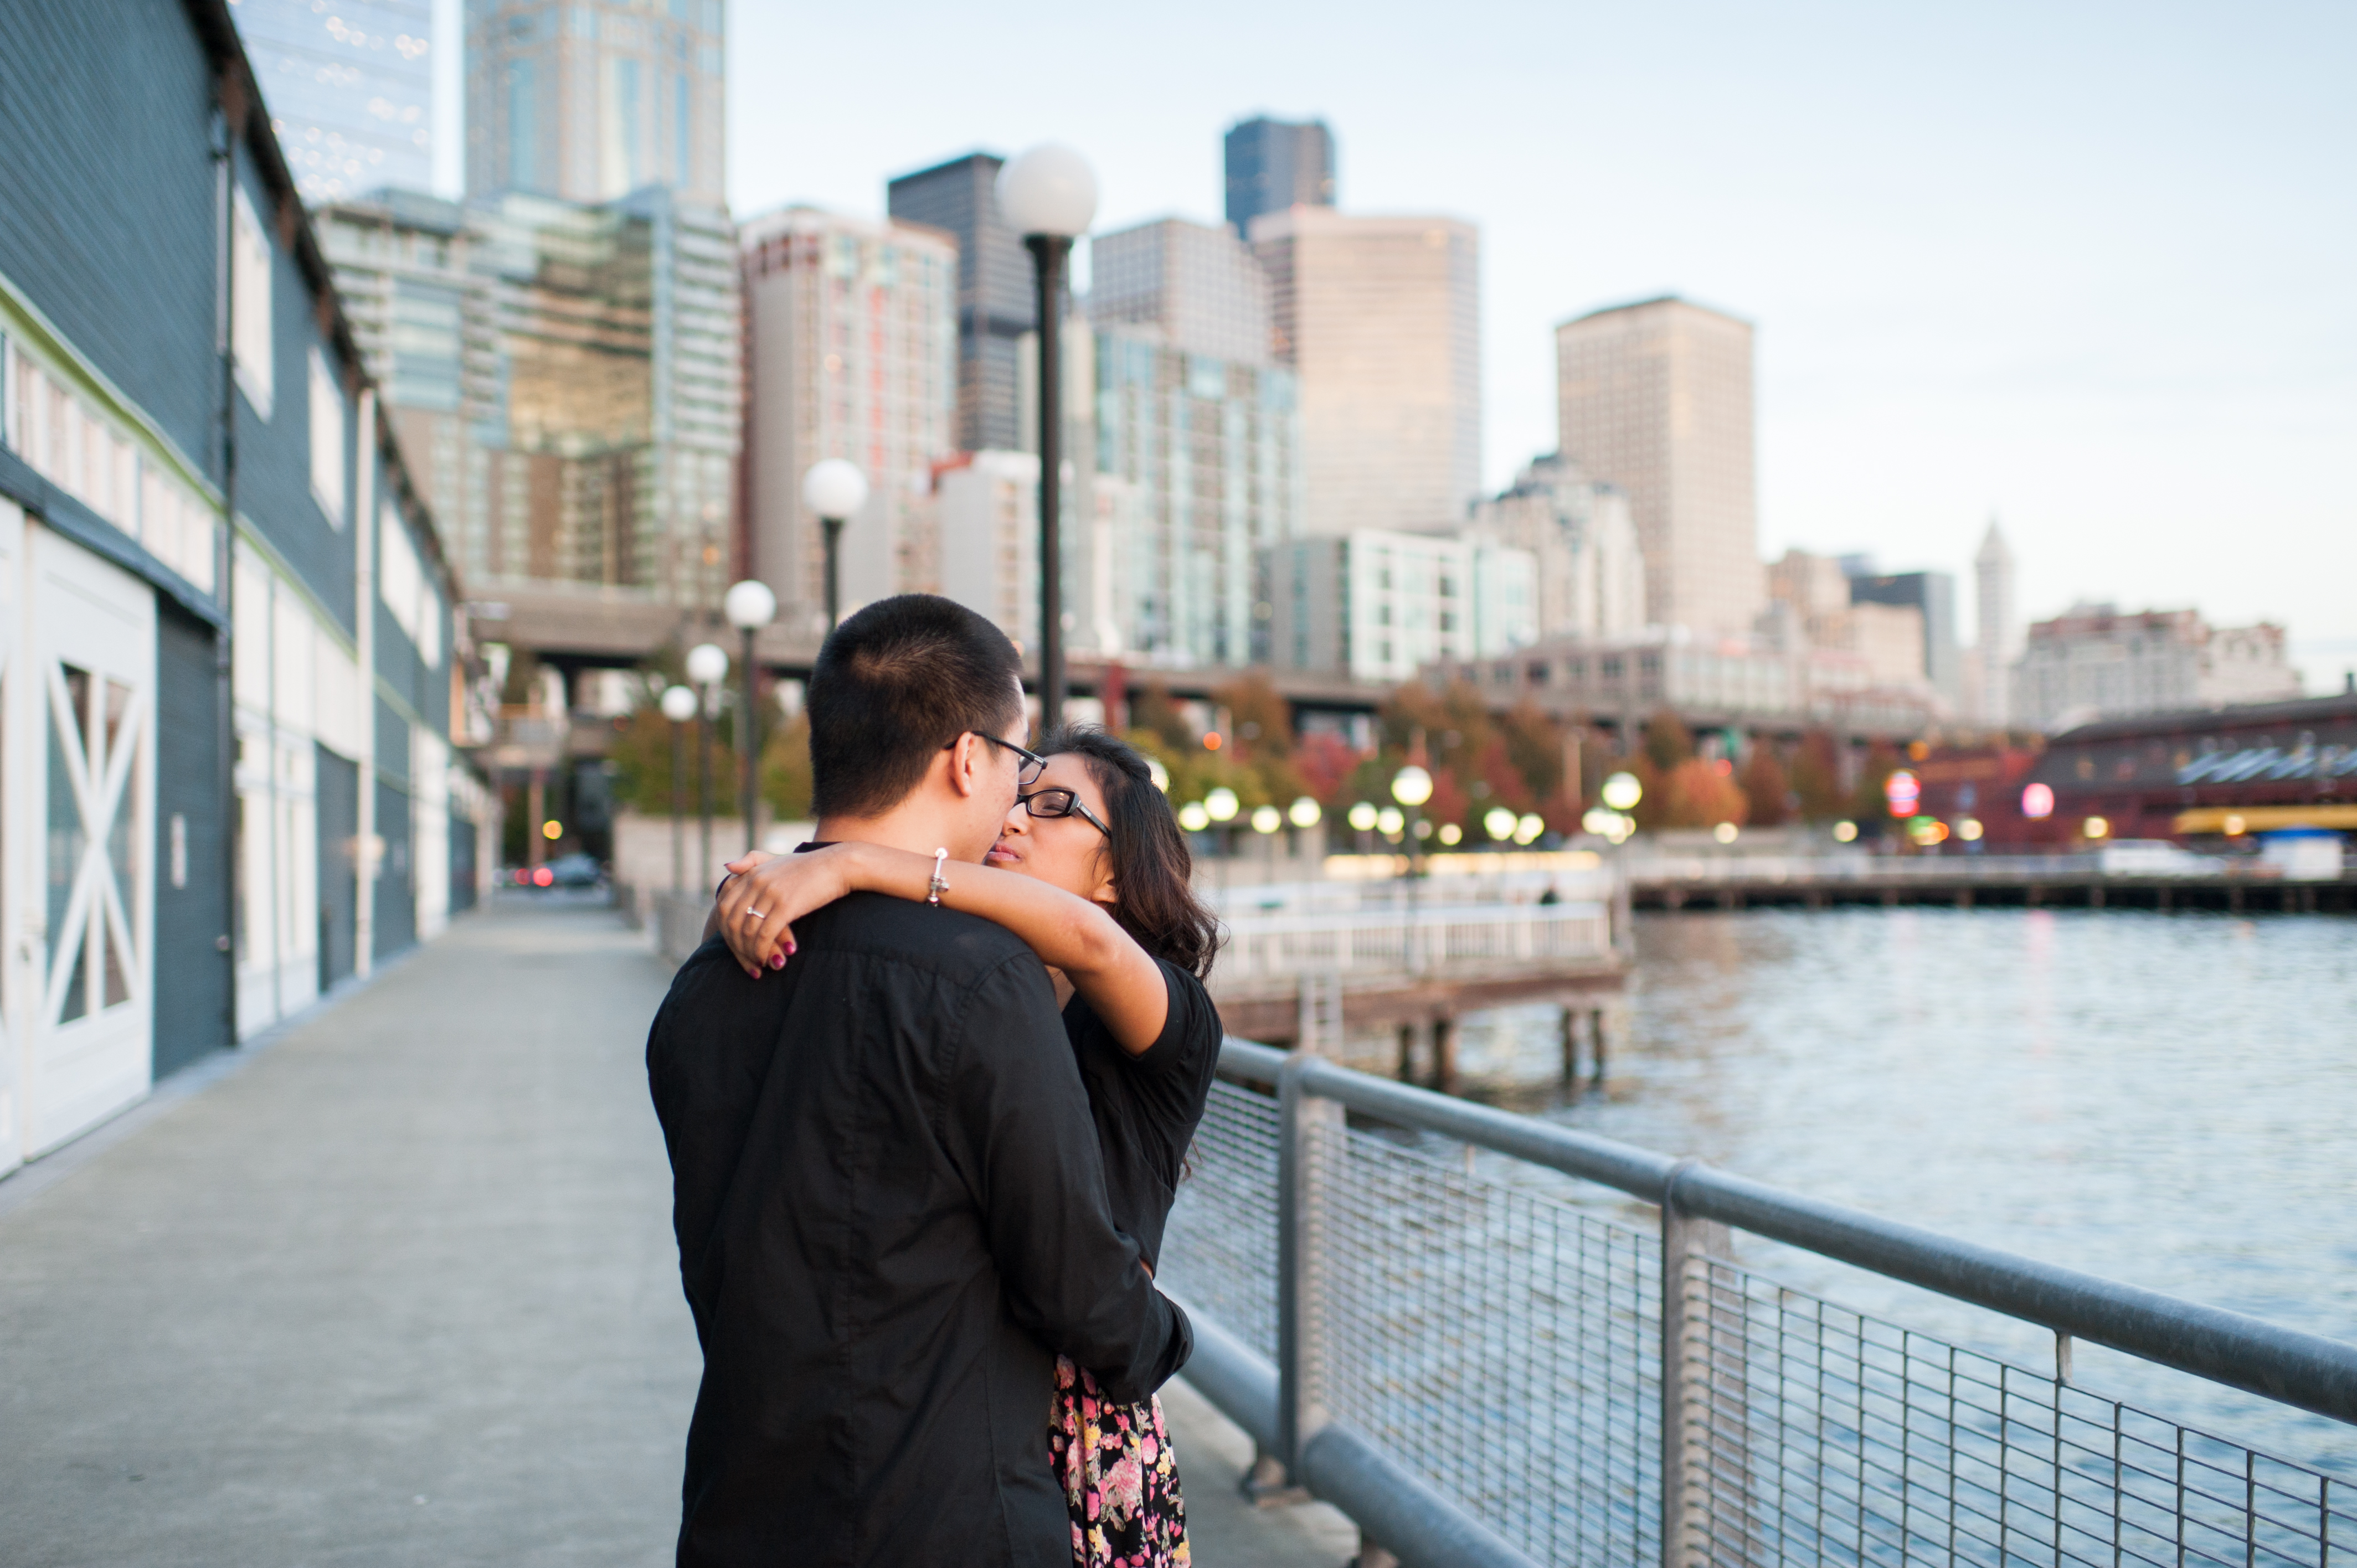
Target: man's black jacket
[(891, 1214)]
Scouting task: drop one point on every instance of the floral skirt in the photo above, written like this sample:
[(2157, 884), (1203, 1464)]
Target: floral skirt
[(1121, 1483)]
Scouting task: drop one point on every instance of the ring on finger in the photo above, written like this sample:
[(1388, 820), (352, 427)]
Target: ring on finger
[(757, 914)]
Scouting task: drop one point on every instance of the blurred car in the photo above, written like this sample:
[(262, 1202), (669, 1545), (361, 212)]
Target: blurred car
[(575, 870)]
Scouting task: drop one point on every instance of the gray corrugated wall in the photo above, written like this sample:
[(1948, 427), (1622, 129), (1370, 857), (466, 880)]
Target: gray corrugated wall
[(396, 878), (338, 817), (106, 197), (273, 456), (192, 972)]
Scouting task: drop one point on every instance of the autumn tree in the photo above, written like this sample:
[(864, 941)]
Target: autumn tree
[(1153, 712), (1816, 776), (1869, 804), (1765, 788), (1667, 742), (1696, 793)]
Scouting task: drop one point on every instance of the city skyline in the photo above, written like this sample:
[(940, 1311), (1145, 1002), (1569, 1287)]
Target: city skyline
[(1948, 330)]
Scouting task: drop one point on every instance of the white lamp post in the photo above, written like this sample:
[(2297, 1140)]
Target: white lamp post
[(749, 606), (835, 490), (1411, 787), (707, 666), (1049, 196), (678, 706)]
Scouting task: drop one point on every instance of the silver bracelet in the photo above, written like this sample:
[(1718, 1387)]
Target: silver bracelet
[(937, 887)]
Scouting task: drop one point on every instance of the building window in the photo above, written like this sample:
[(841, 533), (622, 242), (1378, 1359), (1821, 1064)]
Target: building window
[(249, 267), (327, 441)]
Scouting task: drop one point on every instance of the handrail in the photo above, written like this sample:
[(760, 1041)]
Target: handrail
[(2291, 1366)]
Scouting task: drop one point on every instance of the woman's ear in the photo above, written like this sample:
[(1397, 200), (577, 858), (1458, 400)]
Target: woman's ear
[(1105, 893)]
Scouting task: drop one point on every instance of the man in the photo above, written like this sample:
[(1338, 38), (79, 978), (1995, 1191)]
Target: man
[(886, 1189)]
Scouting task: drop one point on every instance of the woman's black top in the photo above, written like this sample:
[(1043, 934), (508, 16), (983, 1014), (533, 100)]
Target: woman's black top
[(1146, 1106)]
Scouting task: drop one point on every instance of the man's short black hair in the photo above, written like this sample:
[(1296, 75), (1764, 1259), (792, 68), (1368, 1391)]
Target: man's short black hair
[(893, 685)]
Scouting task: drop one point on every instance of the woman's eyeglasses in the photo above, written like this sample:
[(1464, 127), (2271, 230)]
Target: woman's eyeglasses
[(1044, 803), (1033, 763)]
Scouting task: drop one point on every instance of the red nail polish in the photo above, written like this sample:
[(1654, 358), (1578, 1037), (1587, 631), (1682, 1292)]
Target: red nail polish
[(777, 960)]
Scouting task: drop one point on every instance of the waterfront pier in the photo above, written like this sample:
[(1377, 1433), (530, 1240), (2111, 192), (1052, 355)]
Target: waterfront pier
[(397, 1285)]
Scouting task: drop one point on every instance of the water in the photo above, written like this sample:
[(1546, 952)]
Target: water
[(2164, 1100)]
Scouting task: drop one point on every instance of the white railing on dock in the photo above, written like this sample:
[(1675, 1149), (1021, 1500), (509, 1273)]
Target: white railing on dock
[(1270, 946), (1654, 869)]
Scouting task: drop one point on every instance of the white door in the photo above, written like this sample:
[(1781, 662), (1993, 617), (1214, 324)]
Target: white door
[(83, 698)]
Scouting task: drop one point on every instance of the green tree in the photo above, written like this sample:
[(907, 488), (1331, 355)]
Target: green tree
[(786, 771)]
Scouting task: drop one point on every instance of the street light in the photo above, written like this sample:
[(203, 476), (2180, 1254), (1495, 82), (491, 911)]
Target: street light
[(707, 666), (1622, 792), (835, 490), (1049, 196), (678, 706), (1411, 787), (1499, 824), (749, 606), (1304, 812)]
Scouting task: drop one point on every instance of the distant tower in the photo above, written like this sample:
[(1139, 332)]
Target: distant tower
[(996, 303), (351, 94), (593, 99), (1993, 569), (1277, 164), (1656, 398)]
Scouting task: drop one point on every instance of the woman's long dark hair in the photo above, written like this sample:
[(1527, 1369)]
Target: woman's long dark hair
[(1152, 868)]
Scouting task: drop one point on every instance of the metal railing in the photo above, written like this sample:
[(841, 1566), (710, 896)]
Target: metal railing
[(1261, 946), (1480, 1372)]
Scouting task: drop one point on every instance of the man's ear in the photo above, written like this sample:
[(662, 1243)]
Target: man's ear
[(963, 763)]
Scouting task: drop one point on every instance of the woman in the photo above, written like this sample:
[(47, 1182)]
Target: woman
[(1090, 870)]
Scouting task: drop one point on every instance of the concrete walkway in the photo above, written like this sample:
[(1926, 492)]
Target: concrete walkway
[(401, 1289)]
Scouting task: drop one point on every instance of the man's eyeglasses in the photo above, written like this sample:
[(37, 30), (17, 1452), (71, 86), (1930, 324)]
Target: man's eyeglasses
[(1033, 763), (1042, 803)]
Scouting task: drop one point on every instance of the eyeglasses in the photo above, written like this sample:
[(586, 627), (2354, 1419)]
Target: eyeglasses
[(1032, 766), (1046, 804)]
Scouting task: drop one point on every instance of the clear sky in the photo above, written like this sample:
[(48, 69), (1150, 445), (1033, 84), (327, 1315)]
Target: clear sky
[(2091, 268)]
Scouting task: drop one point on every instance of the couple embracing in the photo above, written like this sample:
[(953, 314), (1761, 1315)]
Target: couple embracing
[(927, 1093)]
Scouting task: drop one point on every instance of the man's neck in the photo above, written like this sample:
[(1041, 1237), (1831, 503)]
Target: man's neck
[(917, 831)]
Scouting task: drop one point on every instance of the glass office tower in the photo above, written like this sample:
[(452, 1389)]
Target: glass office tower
[(571, 376), (1275, 163), (349, 88)]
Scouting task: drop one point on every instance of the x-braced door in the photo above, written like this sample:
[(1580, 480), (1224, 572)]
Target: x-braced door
[(90, 683)]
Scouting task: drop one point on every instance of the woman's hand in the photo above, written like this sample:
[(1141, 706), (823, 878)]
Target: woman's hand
[(765, 893)]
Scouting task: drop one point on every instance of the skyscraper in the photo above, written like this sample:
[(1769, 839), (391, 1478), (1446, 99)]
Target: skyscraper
[(350, 88), (570, 374), (1381, 318), (1277, 164), (595, 99), (1934, 595), (851, 351), (1656, 398), (997, 300), (1197, 285), (1999, 638), (1202, 429)]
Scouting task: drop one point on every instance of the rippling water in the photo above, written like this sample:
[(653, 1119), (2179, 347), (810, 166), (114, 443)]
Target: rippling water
[(2164, 1100)]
